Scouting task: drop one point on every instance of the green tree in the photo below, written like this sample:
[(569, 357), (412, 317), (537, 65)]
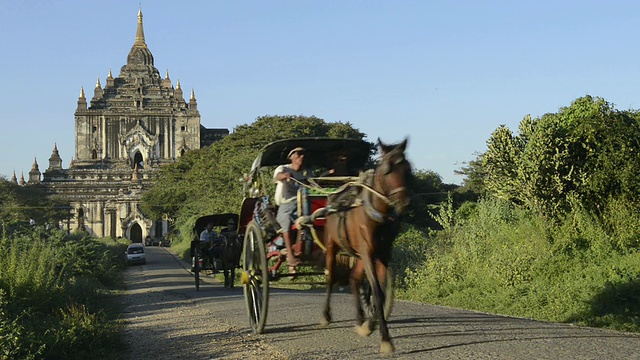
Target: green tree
[(18, 204), (427, 193), (474, 176), (587, 152)]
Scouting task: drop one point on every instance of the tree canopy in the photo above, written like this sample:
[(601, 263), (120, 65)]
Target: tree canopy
[(19, 204), (585, 154)]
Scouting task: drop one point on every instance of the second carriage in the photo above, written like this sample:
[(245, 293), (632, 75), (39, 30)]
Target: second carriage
[(219, 252)]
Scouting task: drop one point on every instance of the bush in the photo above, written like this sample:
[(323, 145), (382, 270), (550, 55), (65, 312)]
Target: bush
[(50, 304), (502, 259)]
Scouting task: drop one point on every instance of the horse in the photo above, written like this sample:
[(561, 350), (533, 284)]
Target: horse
[(224, 254), (230, 257), (366, 232)]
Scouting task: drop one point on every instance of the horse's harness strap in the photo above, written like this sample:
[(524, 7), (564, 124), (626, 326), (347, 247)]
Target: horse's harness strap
[(343, 241)]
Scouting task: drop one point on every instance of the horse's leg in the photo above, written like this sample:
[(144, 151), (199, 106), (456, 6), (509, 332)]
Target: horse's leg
[(366, 258), (233, 278), (235, 262), (330, 263), (381, 273), (378, 296), (354, 280)]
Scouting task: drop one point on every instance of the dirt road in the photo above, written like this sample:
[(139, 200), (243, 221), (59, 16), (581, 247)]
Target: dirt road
[(168, 319)]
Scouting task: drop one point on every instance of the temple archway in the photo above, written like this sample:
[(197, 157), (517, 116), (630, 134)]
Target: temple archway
[(138, 160), (135, 233)]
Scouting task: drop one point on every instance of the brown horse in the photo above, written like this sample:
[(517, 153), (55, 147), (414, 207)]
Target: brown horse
[(367, 233), (230, 257)]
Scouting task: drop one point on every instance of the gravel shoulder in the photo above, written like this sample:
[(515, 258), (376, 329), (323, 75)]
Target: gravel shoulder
[(165, 321)]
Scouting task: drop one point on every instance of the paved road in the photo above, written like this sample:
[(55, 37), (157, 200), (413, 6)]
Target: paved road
[(419, 331)]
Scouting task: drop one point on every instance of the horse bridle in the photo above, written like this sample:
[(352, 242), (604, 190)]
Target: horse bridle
[(387, 197), (387, 169)]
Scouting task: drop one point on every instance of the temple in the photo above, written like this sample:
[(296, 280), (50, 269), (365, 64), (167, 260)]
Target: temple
[(132, 126)]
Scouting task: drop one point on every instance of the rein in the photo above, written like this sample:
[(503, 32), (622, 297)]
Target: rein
[(359, 183)]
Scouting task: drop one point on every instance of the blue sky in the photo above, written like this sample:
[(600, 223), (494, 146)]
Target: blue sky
[(444, 73)]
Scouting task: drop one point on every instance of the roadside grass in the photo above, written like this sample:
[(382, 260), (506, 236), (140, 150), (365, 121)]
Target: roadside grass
[(501, 259), (56, 296)]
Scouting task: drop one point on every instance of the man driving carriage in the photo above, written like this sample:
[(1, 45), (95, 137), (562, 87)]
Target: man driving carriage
[(286, 194)]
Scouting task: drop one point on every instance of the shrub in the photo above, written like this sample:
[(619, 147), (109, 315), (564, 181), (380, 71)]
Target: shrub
[(44, 279)]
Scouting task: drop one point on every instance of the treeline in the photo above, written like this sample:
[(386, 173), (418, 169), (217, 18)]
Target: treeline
[(20, 204)]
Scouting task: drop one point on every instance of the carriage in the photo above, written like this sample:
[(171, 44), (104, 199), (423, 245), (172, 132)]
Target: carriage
[(263, 255), (221, 253)]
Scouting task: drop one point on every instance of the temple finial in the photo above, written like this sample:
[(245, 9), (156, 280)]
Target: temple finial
[(98, 85), (82, 92), (193, 94), (140, 31)]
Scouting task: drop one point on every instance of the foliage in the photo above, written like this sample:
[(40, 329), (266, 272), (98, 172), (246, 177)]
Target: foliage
[(50, 302), (504, 259), (18, 204), (474, 176), (584, 154), (427, 190), (410, 248)]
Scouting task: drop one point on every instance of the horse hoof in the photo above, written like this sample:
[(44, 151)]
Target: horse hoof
[(363, 330), (324, 323), (386, 347)]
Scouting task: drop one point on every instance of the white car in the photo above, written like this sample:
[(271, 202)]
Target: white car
[(135, 254)]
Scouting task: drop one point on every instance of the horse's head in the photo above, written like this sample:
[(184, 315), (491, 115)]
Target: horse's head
[(392, 174)]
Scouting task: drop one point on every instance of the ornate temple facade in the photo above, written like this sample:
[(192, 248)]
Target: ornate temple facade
[(133, 125)]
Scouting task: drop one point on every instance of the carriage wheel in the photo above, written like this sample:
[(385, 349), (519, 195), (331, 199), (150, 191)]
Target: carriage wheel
[(366, 295), (255, 277), (196, 266)]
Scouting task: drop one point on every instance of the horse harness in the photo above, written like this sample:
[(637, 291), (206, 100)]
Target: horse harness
[(355, 194)]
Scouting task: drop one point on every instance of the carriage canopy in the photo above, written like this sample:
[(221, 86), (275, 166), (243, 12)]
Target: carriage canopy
[(319, 152), (215, 219)]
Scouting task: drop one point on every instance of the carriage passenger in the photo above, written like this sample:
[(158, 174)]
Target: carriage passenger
[(230, 228), (339, 166), (286, 194), (211, 242)]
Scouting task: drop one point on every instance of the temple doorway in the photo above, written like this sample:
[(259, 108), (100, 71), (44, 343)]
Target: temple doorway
[(135, 233), (138, 160)]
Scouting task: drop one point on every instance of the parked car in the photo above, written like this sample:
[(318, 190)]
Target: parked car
[(135, 254)]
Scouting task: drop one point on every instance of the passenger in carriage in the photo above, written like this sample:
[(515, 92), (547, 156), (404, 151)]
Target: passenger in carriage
[(339, 166), (286, 194), (211, 243), (231, 227)]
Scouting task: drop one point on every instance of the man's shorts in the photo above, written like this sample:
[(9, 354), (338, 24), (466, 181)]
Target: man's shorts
[(286, 215)]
